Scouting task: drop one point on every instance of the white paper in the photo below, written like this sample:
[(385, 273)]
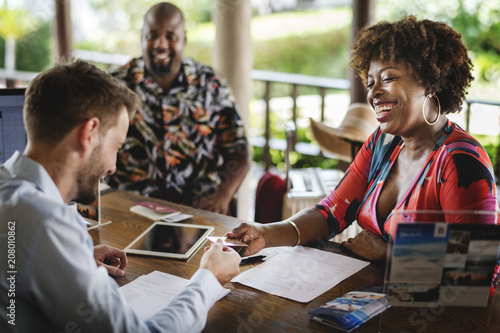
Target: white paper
[(300, 274), (271, 252), (148, 294)]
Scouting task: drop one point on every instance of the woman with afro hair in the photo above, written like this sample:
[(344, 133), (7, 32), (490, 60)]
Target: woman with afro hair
[(416, 72)]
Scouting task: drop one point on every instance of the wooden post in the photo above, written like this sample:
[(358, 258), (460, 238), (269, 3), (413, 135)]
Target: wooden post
[(363, 14), (293, 134), (62, 29), (322, 93), (267, 126)]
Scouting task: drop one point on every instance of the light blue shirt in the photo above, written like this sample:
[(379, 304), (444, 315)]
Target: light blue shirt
[(54, 281)]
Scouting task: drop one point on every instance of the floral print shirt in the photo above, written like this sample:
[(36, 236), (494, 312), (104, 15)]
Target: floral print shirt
[(177, 141)]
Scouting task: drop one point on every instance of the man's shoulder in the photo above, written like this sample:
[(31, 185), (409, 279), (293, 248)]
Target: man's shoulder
[(192, 66), (23, 200), (130, 72), (198, 72), (190, 62), (24, 196), (11, 186)]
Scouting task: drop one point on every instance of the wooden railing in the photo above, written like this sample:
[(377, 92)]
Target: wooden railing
[(469, 103), (322, 84), (13, 79)]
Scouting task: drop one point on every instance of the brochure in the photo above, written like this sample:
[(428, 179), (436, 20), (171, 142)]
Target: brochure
[(352, 309), (436, 264), (92, 213)]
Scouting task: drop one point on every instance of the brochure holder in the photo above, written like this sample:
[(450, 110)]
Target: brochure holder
[(442, 258), (92, 213), (440, 264)]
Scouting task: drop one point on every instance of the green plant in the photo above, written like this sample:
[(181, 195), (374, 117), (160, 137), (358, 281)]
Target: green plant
[(34, 50), (15, 23), (322, 54)]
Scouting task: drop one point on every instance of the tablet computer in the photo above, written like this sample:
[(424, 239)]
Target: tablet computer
[(171, 240)]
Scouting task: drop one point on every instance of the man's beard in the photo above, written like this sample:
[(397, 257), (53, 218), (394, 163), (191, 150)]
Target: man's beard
[(160, 70), (88, 179)]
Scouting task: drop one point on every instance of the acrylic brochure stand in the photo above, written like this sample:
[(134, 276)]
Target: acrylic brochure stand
[(439, 261), (92, 213)]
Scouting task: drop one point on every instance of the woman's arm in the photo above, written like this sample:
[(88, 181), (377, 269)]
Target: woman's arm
[(334, 213), (311, 225)]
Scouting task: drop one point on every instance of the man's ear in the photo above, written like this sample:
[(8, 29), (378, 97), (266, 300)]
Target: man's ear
[(88, 135)]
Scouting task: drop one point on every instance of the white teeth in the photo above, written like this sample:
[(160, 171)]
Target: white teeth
[(383, 108)]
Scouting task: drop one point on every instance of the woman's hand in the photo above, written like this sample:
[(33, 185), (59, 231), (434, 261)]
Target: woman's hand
[(367, 245), (252, 235)]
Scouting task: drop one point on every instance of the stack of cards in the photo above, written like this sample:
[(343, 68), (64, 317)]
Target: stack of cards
[(158, 212)]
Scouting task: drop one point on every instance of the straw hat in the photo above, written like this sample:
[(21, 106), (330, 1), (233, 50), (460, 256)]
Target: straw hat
[(357, 125)]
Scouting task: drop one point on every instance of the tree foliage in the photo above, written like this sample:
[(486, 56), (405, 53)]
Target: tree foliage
[(15, 23), (479, 24), (477, 20), (33, 51)]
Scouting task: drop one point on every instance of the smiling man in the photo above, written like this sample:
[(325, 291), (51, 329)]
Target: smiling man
[(76, 119), (187, 143)]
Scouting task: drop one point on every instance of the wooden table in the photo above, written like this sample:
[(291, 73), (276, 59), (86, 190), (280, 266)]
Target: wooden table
[(249, 310)]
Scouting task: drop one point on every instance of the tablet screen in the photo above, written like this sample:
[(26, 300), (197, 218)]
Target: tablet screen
[(173, 240)]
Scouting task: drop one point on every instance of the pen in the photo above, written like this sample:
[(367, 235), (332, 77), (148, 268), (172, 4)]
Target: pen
[(248, 260)]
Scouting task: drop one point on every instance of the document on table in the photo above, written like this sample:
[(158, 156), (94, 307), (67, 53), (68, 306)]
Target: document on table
[(150, 293), (300, 274)]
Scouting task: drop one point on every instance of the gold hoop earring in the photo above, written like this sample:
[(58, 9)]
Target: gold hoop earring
[(439, 109)]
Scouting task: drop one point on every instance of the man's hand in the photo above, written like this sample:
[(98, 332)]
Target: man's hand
[(113, 259), (232, 172), (223, 262), (367, 245), (217, 203)]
